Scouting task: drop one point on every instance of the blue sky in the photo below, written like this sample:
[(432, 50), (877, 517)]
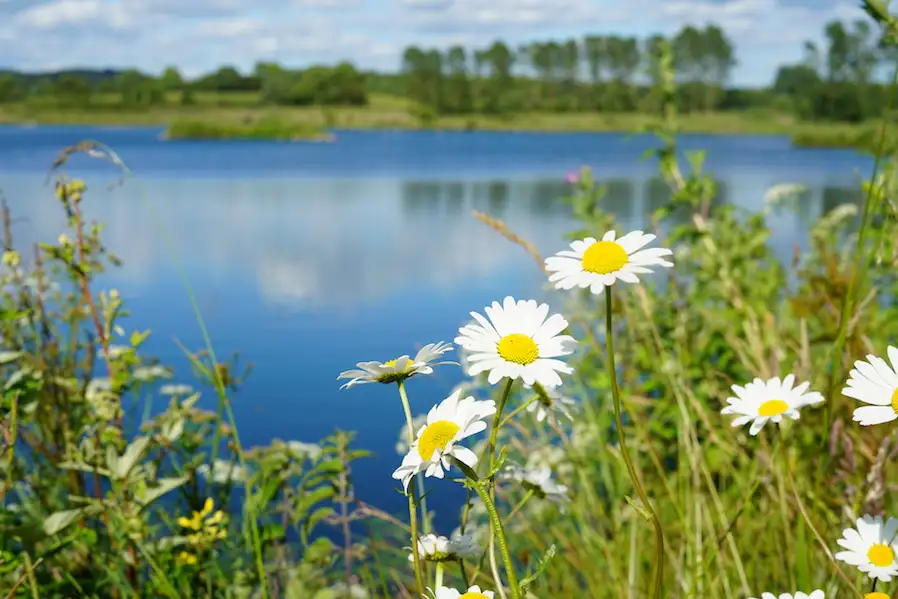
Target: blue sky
[(200, 35)]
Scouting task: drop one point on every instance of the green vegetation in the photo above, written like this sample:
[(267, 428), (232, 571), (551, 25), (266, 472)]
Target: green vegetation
[(599, 83), (99, 501), (264, 128)]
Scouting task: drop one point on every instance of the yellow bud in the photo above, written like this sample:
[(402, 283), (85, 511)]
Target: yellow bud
[(64, 240), (11, 258)]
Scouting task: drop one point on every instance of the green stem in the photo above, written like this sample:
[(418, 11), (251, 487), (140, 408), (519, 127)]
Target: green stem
[(518, 410), (640, 490), (496, 522), (438, 577), (520, 504), (464, 573), (412, 496), (497, 424), (854, 283)]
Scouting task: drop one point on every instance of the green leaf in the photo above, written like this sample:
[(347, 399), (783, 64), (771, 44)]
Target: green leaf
[(10, 356), (164, 485), (133, 452), (636, 506), (58, 521), (540, 569)]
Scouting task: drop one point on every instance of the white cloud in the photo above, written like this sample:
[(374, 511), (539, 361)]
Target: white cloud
[(201, 35)]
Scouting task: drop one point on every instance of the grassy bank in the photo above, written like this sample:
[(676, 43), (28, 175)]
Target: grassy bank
[(266, 128), (227, 111), (864, 137)]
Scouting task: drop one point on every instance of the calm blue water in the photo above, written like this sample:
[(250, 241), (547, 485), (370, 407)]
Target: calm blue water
[(308, 258)]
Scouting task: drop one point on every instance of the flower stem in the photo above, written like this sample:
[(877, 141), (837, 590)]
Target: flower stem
[(438, 578), (520, 504), (640, 490), (518, 410), (412, 496), (496, 524), (497, 424)]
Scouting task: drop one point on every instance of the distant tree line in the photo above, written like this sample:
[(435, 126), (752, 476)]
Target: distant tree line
[(597, 73), (342, 84)]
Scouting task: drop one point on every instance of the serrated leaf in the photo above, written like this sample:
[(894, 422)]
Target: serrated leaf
[(540, 569)]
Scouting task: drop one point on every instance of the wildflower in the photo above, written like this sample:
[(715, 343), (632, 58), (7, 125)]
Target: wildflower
[(518, 341), (874, 595), (818, 594), (876, 383), (397, 370), (538, 480), (434, 548), (473, 592), (176, 389), (760, 401), (598, 264), (572, 178), (447, 424), (871, 547), (222, 471), (206, 530), (549, 404), (402, 445), (311, 451)]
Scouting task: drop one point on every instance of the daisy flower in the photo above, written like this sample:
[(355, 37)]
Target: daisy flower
[(473, 592), (871, 547), (760, 401), (517, 341), (447, 424), (818, 594), (399, 369), (550, 403), (538, 480), (874, 382), (433, 548), (598, 264)]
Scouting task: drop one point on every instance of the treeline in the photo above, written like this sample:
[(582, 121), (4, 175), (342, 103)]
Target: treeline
[(270, 83), (605, 73), (618, 74), (597, 73)]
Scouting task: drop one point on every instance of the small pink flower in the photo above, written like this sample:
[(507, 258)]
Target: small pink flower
[(572, 178)]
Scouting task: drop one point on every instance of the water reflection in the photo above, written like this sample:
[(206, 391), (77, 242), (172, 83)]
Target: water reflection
[(344, 242)]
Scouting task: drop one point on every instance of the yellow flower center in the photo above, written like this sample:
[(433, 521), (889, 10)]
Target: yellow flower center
[(518, 348), (390, 363), (604, 257), (876, 595), (773, 407), (436, 436), (895, 400), (470, 595), (880, 555)]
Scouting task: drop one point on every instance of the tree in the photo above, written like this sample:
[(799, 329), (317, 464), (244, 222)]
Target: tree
[(171, 79)]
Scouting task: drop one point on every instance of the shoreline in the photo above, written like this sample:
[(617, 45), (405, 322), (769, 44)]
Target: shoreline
[(309, 125)]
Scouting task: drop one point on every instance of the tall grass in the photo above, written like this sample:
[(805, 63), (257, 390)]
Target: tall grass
[(100, 502)]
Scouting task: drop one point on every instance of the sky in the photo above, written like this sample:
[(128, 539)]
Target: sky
[(199, 36)]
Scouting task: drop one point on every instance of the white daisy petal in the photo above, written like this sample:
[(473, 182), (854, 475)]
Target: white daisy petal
[(874, 382), (760, 401), (449, 422), (871, 547), (398, 369), (601, 263), (526, 346)]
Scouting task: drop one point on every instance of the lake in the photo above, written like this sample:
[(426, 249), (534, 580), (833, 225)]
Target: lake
[(308, 258)]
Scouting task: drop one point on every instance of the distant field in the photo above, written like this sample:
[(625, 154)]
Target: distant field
[(386, 112)]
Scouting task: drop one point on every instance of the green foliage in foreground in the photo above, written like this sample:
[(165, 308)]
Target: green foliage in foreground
[(100, 501), (266, 128)]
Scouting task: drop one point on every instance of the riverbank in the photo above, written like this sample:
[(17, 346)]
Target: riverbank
[(224, 117)]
